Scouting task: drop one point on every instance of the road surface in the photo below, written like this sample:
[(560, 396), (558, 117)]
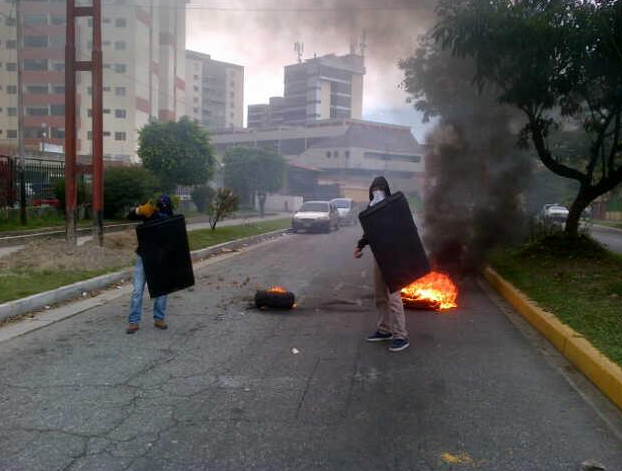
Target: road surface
[(222, 389), (608, 236)]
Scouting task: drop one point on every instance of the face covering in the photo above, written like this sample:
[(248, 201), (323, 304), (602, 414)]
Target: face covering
[(378, 196)]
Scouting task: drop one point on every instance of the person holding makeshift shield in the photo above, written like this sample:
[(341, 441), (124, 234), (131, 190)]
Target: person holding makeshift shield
[(163, 209), (391, 325)]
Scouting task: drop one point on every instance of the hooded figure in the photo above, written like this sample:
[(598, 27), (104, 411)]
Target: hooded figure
[(147, 212), (391, 323)]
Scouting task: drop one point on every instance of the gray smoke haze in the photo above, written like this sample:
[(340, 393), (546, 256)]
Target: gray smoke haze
[(475, 181), (263, 41)]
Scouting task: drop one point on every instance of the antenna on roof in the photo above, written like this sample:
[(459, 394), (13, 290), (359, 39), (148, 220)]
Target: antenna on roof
[(363, 44), (352, 45), (299, 48)]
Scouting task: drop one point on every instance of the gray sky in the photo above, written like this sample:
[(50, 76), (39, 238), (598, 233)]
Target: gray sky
[(260, 35)]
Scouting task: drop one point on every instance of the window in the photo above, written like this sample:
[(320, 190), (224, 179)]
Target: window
[(89, 113), (11, 44), (106, 110), (89, 90), (11, 133), (10, 22), (57, 41), (35, 64), (11, 89), (195, 110), (57, 110), (58, 20), (58, 133), (105, 44), (36, 41), (196, 77), (119, 45), (89, 22), (195, 99), (37, 89), (106, 133), (120, 113), (120, 22), (11, 66), (119, 136), (105, 89), (36, 111), (89, 135), (120, 68), (59, 66), (336, 154), (120, 91), (106, 21), (347, 154), (59, 89), (196, 89), (328, 154), (231, 115), (35, 20), (11, 111)]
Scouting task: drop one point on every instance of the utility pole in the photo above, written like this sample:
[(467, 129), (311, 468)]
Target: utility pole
[(96, 68), (20, 114)]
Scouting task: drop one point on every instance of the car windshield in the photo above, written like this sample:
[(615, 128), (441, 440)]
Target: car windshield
[(314, 207), (557, 208), (344, 204)]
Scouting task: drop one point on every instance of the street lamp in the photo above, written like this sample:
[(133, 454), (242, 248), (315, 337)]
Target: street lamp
[(43, 136)]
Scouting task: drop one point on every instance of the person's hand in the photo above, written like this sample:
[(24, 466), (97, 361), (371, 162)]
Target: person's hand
[(358, 253), (145, 210)]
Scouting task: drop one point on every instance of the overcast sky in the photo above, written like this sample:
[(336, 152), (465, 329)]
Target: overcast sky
[(260, 35)]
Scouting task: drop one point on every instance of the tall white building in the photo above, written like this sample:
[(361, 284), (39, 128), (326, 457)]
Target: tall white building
[(215, 92)]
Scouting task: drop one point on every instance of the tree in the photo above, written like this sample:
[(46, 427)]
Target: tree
[(557, 61), (224, 203), (202, 196), (178, 153), (253, 172), (125, 187)]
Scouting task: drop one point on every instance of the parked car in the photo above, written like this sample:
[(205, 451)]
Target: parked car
[(554, 214), (316, 215), (345, 208)]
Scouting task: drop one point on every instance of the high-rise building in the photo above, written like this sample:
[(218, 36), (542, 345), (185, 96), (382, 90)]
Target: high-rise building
[(215, 92), (324, 87), (144, 72)]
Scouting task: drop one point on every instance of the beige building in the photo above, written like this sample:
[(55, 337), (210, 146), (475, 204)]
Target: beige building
[(144, 73), (215, 92), (325, 87)]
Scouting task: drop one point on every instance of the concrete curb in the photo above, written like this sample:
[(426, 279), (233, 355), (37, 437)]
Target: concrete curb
[(64, 293), (606, 375)]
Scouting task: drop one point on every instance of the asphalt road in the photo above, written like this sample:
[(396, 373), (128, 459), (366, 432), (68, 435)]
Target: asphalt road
[(609, 236), (223, 390)]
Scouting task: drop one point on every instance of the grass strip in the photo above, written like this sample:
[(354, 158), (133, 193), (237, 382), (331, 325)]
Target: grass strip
[(577, 280)]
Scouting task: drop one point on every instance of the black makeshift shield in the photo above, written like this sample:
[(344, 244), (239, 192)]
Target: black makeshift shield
[(392, 235), (166, 255)]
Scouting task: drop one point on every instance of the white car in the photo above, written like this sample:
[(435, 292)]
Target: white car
[(345, 208), (316, 215)]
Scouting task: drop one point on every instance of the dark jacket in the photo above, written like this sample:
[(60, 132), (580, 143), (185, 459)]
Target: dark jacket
[(132, 216), (382, 184)]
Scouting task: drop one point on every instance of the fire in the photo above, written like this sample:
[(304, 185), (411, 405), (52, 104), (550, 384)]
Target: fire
[(277, 289), (435, 288)]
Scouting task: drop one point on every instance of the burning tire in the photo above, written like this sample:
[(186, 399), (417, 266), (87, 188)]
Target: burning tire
[(274, 299)]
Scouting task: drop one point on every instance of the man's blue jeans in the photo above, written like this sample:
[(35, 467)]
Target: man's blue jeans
[(159, 305)]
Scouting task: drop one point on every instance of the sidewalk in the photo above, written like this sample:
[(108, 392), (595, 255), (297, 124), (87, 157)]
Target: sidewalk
[(193, 226)]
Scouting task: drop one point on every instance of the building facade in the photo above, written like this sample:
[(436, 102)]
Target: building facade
[(215, 93), (144, 72), (325, 87), (348, 152)]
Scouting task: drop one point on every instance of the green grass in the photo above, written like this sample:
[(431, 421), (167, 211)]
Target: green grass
[(206, 237), (15, 284), (45, 222), (600, 222), (21, 283), (579, 281)]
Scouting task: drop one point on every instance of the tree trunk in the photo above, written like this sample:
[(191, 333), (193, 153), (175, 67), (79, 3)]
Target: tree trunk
[(576, 209)]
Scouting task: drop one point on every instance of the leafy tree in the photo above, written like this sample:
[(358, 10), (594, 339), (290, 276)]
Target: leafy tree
[(125, 187), (178, 153), (224, 203), (83, 193), (201, 196), (253, 172), (557, 62)]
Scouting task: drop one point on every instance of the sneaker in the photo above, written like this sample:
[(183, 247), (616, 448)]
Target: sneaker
[(398, 345), (379, 337), (160, 324), (132, 327)]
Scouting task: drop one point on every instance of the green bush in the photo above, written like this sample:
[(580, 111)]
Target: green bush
[(125, 187), (202, 196), (84, 193)]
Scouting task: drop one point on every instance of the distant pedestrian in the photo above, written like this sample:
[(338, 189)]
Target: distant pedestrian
[(391, 324), (147, 212)]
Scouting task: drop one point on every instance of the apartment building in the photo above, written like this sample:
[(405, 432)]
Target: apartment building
[(144, 72), (324, 87), (215, 92)]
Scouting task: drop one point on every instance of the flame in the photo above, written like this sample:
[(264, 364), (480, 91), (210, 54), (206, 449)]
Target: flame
[(277, 289), (436, 287)]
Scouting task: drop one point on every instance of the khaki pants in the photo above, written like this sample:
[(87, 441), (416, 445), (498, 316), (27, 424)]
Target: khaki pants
[(391, 317)]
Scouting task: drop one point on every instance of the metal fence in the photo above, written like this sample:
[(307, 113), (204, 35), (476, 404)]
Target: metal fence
[(40, 177)]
